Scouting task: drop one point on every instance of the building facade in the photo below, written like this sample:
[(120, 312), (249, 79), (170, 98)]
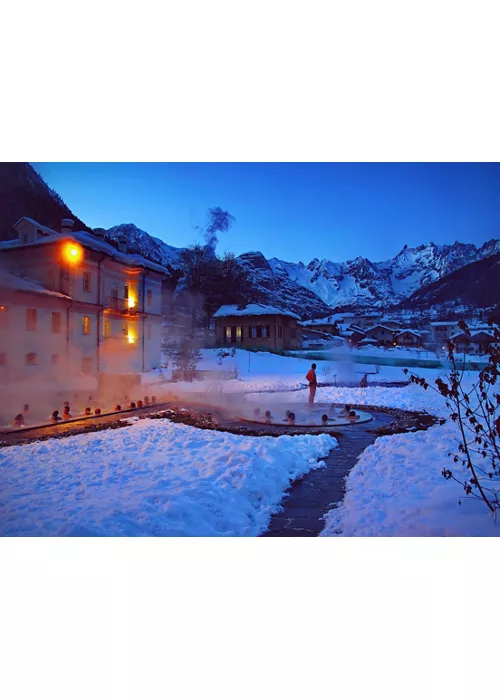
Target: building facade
[(88, 308), (381, 335), (257, 326), (408, 338)]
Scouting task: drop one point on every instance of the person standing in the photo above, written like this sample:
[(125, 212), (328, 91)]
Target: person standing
[(313, 383), (364, 382)]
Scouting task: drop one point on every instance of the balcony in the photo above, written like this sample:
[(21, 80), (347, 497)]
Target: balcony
[(128, 307)]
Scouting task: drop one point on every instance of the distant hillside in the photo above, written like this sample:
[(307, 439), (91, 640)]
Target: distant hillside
[(476, 284), (24, 193)]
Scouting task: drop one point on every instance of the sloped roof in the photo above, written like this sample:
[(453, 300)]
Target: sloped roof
[(252, 310), (87, 240), (17, 282), (379, 325), (409, 330)]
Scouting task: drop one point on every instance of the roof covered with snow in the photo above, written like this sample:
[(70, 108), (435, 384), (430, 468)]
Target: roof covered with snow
[(87, 240), (409, 330), (252, 310), (379, 325), (17, 282), (444, 323)]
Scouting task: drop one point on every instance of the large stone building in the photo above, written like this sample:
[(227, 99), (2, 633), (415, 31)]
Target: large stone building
[(256, 326), (75, 306)]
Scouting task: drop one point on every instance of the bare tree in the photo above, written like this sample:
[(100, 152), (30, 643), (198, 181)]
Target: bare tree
[(477, 414)]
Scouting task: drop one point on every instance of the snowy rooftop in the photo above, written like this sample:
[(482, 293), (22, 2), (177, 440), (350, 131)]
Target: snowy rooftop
[(12, 280), (321, 321), (87, 240), (379, 325), (252, 310), (475, 335), (444, 323), (409, 330)]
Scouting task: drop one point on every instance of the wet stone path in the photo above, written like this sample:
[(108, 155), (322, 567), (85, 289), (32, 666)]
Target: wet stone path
[(320, 490)]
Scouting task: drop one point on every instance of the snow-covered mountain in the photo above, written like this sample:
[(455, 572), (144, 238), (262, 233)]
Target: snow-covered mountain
[(148, 246), (277, 288), (309, 290), (361, 282), (24, 193)]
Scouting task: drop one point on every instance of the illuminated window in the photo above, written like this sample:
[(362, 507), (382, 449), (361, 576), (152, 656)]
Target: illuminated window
[(239, 334), (3, 359), (56, 322), (86, 365), (31, 319), (31, 358), (86, 325), (55, 359), (107, 329), (4, 318), (150, 296), (87, 278)]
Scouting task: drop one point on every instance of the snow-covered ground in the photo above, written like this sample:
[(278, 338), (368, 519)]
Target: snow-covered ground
[(263, 371), (396, 489), (155, 477), (151, 478)]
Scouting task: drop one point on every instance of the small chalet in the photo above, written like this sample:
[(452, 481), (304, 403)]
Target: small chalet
[(383, 335), (478, 343), (323, 325), (408, 338), (257, 326)]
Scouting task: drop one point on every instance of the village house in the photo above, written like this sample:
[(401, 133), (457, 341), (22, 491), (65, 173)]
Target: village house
[(257, 326), (480, 341), (408, 338), (441, 332), (75, 305), (383, 335), (363, 320), (323, 325)]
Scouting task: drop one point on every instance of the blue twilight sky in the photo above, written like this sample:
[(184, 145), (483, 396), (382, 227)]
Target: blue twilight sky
[(294, 211)]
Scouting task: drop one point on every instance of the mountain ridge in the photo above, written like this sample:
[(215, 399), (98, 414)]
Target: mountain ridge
[(312, 289)]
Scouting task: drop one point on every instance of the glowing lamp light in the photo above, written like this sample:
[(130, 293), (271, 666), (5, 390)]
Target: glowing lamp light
[(73, 253), (131, 302), (130, 338)]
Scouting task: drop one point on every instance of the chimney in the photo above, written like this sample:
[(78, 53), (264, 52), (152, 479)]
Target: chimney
[(67, 225), (122, 243)]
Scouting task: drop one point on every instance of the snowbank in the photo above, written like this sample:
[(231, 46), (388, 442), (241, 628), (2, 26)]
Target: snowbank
[(396, 489), (152, 478)]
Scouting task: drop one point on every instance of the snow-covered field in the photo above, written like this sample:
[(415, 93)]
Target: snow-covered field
[(151, 478), (396, 489), (155, 477), (263, 371)]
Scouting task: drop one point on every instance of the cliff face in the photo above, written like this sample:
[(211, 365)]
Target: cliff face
[(24, 193)]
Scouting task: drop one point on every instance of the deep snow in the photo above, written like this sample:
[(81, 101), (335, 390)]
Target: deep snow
[(396, 489), (151, 478)]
